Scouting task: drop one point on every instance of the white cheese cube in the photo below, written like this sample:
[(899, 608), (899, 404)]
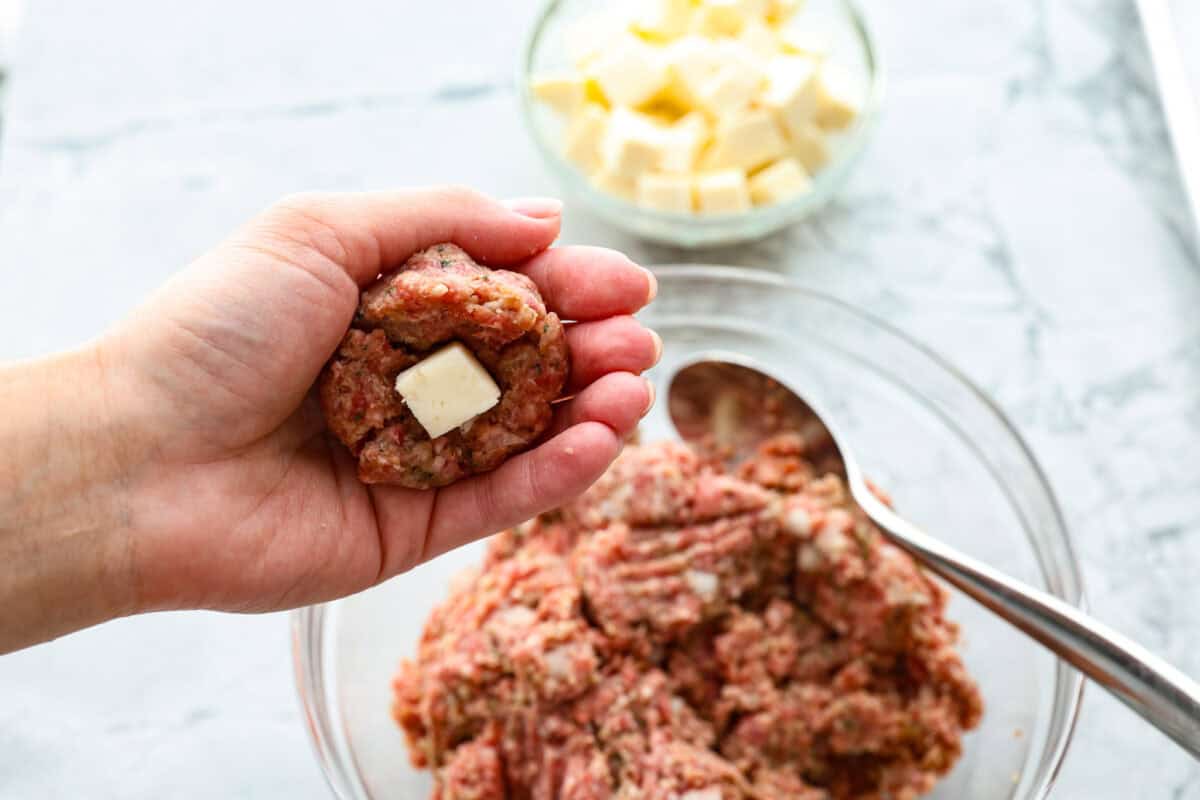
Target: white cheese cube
[(629, 71), (803, 41), (759, 38), (691, 61), (792, 91), (780, 11), (591, 34), (747, 140), (664, 19), (563, 93), (633, 144), (723, 192), (447, 389), (730, 90), (665, 192), (837, 95), (719, 18), (781, 180), (809, 146), (622, 186), (683, 142), (585, 133)]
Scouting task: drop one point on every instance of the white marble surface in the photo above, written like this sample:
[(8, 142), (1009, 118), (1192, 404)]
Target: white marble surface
[(1019, 211)]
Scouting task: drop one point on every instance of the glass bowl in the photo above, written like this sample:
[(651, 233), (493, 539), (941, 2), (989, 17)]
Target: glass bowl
[(948, 457), (851, 44)]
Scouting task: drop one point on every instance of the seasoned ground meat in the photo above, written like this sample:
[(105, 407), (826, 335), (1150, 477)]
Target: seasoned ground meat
[(440, 295), (681, 633)]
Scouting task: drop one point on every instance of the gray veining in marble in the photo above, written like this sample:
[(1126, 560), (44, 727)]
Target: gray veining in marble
[(1019, 211)]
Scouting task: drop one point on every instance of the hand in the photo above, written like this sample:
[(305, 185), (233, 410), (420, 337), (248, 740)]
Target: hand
[(231, 493)]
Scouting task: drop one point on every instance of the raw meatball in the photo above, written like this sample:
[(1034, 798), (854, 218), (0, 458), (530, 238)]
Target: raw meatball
[(683, 633), (440, 295)]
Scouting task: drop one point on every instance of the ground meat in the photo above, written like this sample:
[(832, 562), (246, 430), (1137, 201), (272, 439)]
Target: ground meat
[(680, 633), (440, 295)]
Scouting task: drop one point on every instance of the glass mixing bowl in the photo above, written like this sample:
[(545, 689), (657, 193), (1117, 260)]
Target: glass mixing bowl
[(948, 457), (851, 45)]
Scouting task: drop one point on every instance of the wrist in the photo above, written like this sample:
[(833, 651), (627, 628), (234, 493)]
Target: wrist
[(65, 548)]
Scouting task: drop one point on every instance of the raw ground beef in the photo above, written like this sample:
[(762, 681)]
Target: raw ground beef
[(440, 295), (680, 633)]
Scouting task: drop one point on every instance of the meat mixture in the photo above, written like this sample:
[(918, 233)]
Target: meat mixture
[(440, 295), (683, 632)]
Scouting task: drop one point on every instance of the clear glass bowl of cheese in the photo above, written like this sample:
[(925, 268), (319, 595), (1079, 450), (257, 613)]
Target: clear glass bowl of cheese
[(701, 122)]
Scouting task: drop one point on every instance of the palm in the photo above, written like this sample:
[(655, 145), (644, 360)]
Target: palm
[(251, 504)]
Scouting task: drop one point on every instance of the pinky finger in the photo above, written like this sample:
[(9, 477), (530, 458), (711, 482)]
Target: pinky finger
[(546, 477)]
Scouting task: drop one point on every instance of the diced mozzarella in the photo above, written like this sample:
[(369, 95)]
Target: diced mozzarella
[(564, 93), (629, 71), (780, 11), (759, 38), (746, 141), (809, 146), (783, 179), (837, 98), (719, 18), (623, 186), (664, 19), (585, 133), (803, 41), (632, 144), (447, 389), (683, 142), (731, 89), (665, 192), (792, 90), (722, 192), (591, 34)]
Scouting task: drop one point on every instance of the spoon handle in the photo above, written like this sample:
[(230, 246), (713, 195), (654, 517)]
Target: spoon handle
[(1158, 692)]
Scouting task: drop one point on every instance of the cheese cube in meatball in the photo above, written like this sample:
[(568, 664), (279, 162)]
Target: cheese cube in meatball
[(447, 389)]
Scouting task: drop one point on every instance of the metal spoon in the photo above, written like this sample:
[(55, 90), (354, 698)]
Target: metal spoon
[(735, 406)]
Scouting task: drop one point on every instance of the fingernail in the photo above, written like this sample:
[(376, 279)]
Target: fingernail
[(537, 207), (651, 392), (653, 285), (658, 345)]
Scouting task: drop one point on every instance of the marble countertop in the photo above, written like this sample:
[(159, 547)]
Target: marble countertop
[(1019, 211)]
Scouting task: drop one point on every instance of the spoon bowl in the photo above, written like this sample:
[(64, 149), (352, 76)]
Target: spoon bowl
[(730, 403)]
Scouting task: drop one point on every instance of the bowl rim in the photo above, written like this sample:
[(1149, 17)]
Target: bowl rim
[(826, 183), (309, 623)]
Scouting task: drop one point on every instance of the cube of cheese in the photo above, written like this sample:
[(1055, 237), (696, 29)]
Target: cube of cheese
[(719, 18), (783, 179), (565, 94), (780, 11), (683, 142), (837, 98), (664, 19), (729, 90), (722, 192), (691, 60), (585, 133), (629, 71), (792, 91), (808, 144), (746, 141), (759, 38), (447, 389), (801, 41), (665, 192), (622, 186), (591, 34), (633, 143)]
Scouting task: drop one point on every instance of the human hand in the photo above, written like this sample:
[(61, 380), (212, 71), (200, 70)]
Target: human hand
[(232, 494)]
